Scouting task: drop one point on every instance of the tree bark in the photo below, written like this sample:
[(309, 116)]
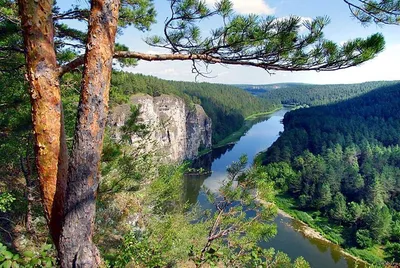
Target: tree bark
[(76, 245), (50, 146)]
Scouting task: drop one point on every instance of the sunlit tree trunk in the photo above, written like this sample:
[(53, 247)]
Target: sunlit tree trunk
[(76, 246), (69, 187), (42, 72)]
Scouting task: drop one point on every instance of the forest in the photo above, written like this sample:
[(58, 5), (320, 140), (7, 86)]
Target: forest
[(311, 94), (341, 163)]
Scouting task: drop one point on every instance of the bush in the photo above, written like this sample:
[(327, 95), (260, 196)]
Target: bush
[(394, 250), (6, 199), (27, 259), (363, 238)]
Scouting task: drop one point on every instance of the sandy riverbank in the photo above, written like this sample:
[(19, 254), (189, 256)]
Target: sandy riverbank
[(312, 233)]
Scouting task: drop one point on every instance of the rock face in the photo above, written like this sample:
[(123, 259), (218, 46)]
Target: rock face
[(177, 131)]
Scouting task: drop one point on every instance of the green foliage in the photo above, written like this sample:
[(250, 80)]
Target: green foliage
[(268, 258), (394, 250), (339, 210), (6, 200), (139, 13), (370, 255), (43, 258), (364, 239), (137, 249), (379, 221), (132, 126), (15, 122), (165, 192), (239, 219)]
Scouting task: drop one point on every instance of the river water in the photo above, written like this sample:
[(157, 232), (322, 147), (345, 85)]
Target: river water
[(289, 239)]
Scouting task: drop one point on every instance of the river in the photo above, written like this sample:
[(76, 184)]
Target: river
[(289, 239)]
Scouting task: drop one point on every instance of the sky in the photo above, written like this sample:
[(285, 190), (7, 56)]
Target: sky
[(343, 27)]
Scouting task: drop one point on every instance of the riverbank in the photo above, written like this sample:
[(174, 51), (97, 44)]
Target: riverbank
[(248, 123), (312, 233), (319, 228), (309, 232)]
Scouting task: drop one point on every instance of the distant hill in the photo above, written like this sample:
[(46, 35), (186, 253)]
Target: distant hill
[(258, 90), (312, 95)]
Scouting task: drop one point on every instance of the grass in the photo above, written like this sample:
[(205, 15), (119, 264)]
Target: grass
[(333, 232), (374, 255)]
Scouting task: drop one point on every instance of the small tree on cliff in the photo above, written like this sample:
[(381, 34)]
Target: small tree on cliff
[(69, 180)]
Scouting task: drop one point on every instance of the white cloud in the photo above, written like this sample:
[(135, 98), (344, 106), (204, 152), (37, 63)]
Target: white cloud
[(168, 71), (259, 7)]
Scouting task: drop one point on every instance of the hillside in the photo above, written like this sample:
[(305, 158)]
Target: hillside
[(341, 165)]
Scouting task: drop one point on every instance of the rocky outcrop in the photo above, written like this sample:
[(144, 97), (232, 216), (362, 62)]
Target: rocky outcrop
[(177, 131)]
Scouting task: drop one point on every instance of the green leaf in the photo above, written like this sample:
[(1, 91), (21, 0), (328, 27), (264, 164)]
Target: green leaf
[(7, 264), (8, 255), (34, 262), (46, 247), (28, 254)]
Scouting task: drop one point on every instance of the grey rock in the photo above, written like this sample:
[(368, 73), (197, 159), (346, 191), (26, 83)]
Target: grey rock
[(177, 131)]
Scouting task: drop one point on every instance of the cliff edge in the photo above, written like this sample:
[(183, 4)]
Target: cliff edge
[(176, 130)]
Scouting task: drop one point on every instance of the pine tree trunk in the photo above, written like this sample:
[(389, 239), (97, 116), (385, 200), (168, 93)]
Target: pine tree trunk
[(76, 245), (42, 71)]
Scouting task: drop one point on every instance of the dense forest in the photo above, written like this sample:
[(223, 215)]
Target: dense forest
[(311, 95), (342, 162)]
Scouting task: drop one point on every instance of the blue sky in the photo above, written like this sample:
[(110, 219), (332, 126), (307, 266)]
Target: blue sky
[(342, 27)]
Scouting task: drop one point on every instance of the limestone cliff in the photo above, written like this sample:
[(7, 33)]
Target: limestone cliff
[(177, 131)]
